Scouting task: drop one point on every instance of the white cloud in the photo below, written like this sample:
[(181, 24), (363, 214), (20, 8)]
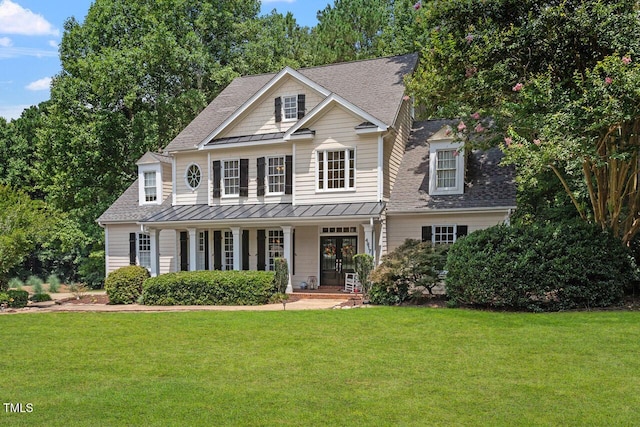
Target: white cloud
[(53, 43), (10, 112), (13, 52), (42, 84), (5, 42), (14, 19)]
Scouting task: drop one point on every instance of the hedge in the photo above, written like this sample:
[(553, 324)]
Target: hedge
[(546, 267), (124, 285), (210, 288)]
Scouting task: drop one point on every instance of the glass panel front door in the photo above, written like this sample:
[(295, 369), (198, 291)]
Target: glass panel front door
[(336, 258)]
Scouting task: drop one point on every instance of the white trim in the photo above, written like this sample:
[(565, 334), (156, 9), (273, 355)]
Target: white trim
[(452, 210), (380, 167), (286, 71), (268, 193), (434, 149), (106, 251), (174, 181), (284, 118), (186, 176), (209, 180), (328, 101), (433, 232), (244, 144), (223, 193), (150, 168), (368, 131)]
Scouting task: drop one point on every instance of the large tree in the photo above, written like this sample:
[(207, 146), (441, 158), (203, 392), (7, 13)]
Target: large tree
[(133, 75), (555, 82)]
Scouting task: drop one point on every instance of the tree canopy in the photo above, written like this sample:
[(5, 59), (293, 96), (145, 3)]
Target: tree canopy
[(554, 82)]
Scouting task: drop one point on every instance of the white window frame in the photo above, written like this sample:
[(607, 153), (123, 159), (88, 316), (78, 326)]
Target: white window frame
[(293, 109), (186, 176), (434, 149), (270, 176), (322, 170), (144, 250), (142, 193), (227, 250), (223, 174), (275, 247)]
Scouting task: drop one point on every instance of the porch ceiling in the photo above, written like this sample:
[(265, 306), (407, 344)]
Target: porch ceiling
[(274, 211)]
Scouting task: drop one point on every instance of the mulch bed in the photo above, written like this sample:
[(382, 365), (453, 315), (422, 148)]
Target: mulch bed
[(87, 299)]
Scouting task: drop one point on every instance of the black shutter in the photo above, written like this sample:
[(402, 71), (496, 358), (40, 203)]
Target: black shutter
[(288, 177), (262, 240), (216, 178), (293, 252), (260, 165), (301, 99), (245, 249), (206, 250), (278, 109), (427, 234), (217, 250), (132, 248), (184, 245), (462, 231), (244, 177)]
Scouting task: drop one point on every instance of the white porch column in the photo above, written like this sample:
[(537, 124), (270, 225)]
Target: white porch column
[(154, 240), (369, 240), (288, 253), (193, 246), (237, 247)]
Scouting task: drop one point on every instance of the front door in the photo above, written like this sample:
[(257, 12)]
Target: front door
[(336, 258)]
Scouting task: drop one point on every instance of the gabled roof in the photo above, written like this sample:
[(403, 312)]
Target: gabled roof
[(152, 158), (487, 184), (375, 86)]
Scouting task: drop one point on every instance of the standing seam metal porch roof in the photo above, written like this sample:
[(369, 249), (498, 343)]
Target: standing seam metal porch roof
[(192, 213)]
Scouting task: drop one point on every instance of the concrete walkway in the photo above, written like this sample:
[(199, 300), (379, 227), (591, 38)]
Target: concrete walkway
[(52, 306)]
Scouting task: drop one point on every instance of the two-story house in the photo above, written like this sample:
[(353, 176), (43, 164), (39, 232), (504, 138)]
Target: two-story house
[(309, 165)]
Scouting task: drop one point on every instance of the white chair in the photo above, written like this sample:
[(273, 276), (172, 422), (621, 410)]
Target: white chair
[(351, 283)]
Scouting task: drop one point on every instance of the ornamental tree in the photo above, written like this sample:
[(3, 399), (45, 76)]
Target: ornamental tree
[(555, 83)]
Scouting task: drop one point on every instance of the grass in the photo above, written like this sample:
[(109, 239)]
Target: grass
[(382, 366)]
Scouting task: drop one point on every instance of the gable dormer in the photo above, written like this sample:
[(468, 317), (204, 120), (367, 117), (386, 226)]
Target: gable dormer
[(289, 108), (446, 163), (154, 178)]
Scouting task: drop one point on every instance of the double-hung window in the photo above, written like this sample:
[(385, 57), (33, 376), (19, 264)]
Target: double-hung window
[(231, 177), (275, 247), (290, 107), (150, 188), (336, 169), (443, 234), (446, 167), (276, 178), (144, 250)]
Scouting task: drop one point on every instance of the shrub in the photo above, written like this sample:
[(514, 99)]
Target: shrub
[(16, 283), (36, 284), (40, 297), (363, 265), (91, 270), (281, 278), (210, 288), (413, 266), (17, 298), (124, 285), (546, 267), (54, 283)]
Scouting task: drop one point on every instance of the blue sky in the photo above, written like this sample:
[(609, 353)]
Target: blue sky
[(30, 31)]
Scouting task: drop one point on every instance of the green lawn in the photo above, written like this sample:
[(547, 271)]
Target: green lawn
[(379, 366)]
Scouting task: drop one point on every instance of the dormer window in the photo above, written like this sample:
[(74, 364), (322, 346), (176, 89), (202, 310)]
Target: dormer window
[(150, 187), (446, 165)]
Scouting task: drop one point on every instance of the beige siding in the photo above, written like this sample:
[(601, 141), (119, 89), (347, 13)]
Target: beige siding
[(260, 118), (394, 145), (118, 245), (402, 227), (167, 183), (184, 194), (167, 251), (307, 255), (335, 130)]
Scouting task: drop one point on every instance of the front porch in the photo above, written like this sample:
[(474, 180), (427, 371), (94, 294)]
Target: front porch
[(318, 248)]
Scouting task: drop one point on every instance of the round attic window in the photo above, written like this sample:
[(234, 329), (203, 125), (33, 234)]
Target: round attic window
[(193, 176)]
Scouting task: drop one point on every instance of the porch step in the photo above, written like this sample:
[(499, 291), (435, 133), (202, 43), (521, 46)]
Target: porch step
[(325, 292)]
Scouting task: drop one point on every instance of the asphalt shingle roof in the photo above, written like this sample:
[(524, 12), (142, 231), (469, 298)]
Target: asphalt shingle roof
[(487, 184), (374, 85), (127, 208)]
